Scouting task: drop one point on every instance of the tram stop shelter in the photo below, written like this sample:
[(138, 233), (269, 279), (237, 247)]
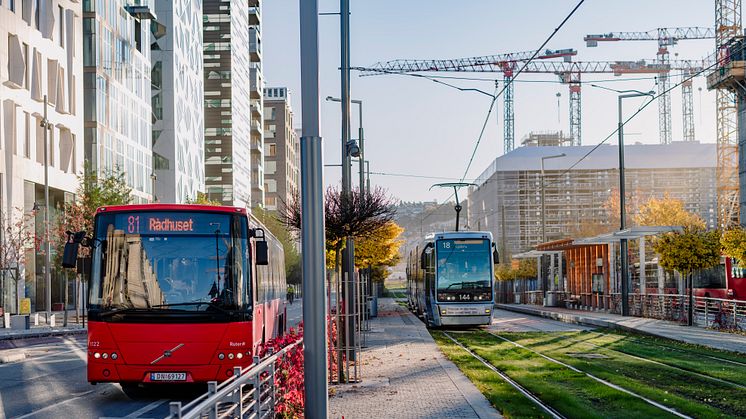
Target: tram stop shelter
[(585, 272)]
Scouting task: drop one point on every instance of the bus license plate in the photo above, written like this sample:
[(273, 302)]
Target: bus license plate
[(167, 376)]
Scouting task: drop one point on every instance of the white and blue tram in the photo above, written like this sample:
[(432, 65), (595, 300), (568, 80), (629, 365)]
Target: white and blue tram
[(450, 278)]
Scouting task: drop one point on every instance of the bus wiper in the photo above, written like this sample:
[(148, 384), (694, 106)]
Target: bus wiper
[(195, 303), (121, 311)]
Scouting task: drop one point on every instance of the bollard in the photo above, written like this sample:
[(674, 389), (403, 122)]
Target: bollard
[(36, 319), (51, 321), (175, 410), (6, 320)]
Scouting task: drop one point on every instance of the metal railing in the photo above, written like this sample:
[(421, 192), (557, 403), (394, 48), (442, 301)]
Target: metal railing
[(248, 393)]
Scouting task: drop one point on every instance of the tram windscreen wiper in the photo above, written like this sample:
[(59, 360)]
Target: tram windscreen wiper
[(471, 284), (195, 303)]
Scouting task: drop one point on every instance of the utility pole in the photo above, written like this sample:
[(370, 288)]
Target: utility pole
[(312, 219), (348, 254), (47, 246)]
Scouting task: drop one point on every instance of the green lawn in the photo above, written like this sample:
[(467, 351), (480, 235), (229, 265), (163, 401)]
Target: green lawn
[(612, 357)]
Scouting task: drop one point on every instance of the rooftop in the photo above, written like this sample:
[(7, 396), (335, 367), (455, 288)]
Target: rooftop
[(677, 155)]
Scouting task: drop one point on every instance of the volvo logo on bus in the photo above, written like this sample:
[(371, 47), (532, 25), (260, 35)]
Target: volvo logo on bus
[(167, 353)]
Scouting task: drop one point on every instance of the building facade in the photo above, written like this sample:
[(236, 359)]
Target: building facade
[(581, 201), (118, 125), (281, 149), (233, 93), (256, 88), (178, 101), (41, 55)]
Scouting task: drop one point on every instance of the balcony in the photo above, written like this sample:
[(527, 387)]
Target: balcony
[(255, 44), (255, 83), (256, 128), (255, 17), (256, 110)]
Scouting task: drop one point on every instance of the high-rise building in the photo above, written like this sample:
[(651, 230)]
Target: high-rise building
[(118, 113), (178, 100), (233, 93), (40, 56), (256, 87), (281, 145), (579, 199)]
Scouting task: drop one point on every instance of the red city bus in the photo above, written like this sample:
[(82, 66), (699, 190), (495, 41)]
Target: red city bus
[(180, 293), (728, 281)]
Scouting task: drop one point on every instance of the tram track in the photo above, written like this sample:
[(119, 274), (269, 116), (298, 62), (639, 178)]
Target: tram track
[(656, 362), (593, 377), (532, 397)]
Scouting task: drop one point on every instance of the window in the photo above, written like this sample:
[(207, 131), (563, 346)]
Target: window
[(61, 25), (272, 150), (27, 136)]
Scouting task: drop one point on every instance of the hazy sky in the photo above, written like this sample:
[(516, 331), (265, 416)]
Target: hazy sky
[(415, 126)]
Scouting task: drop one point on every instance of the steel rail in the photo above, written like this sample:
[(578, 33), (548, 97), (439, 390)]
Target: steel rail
[(545, 407)]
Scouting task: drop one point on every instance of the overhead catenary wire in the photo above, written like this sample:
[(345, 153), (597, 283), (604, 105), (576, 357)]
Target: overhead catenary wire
[(517, 73)]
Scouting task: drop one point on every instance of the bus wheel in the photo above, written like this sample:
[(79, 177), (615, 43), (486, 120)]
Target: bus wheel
[(133, 390)]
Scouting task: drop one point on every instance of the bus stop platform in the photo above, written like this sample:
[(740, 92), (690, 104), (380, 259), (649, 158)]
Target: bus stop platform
[(35, 325), (404, 375), (660, 328)]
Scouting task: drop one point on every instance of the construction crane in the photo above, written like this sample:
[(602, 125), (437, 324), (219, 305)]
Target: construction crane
[(569, 73), (507, 64), (728, 80), (665, 37)]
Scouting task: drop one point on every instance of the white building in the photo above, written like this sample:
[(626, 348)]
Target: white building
[(118, 112), (41, 55), (178, 101)]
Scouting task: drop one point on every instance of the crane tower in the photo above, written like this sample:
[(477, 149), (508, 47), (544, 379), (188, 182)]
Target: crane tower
[(665, 37)]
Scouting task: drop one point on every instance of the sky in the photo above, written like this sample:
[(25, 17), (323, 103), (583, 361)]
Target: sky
[(416, 127)]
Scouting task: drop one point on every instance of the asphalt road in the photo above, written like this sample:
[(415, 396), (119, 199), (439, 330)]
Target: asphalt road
[(51, 383)]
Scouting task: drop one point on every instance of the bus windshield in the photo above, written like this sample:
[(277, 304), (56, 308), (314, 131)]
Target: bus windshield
[(169, 260), (464, 265)]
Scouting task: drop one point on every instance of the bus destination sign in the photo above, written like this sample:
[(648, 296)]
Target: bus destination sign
[(172, 223)]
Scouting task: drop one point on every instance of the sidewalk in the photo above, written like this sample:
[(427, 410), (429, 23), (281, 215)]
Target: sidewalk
[(43, 329), (661, 328), (404, 375)]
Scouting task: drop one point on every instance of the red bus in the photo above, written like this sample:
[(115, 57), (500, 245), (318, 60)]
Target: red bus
[(180, 293), (728, 280)]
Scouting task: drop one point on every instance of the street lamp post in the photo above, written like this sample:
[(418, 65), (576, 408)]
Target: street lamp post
[(623, 256), (361, 139), (153, 178), (544, 282), (47, 246)]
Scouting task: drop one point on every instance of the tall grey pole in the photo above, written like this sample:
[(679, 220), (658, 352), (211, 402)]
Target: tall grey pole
[(47, 245), (362, 145), (367, 174), (312, 219), (348, 255), (623, 215)]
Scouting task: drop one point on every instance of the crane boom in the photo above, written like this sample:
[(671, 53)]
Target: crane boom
[(664, 36)]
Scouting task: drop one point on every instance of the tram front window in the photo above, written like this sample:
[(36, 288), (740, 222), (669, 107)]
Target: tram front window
[(464, 272)]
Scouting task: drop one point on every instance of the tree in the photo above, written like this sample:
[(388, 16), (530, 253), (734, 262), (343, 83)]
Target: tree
[(733, 242), (292, 258), (17, 237), (667, 211), (688, 251), (380, 249), (504, 272), (203, 199)]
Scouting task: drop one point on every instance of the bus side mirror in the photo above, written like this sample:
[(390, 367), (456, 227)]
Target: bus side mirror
[(495, 256), (70, 254), (261, 253)]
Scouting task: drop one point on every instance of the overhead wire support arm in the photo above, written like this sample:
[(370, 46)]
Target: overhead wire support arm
[(455, 186)]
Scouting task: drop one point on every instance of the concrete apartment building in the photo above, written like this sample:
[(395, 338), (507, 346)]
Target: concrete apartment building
[(233, 108), (41, 54), (178, 101), (118, 112), (507, 200), (281, 149)]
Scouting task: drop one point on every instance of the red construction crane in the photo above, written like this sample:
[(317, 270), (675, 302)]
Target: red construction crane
[(568, 72), (665, 37), (506, 64)]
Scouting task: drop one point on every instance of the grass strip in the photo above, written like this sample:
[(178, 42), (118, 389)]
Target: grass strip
[(571, 393), (504, 397), (681, 390)]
